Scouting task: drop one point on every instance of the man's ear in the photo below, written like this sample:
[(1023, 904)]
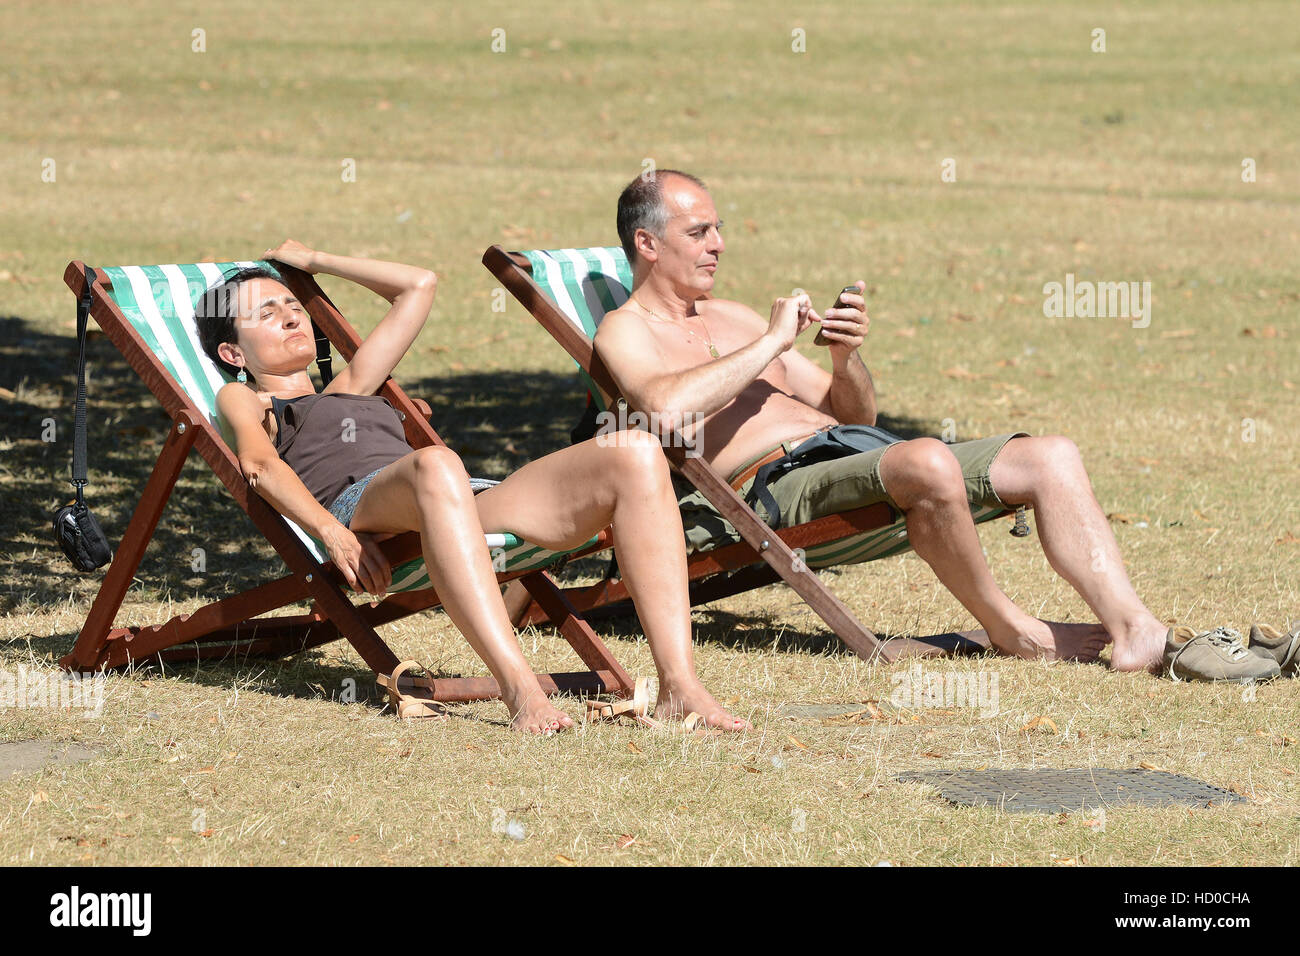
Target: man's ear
[(645, 245)]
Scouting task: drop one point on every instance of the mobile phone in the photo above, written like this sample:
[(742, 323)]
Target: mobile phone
[(839, 304)]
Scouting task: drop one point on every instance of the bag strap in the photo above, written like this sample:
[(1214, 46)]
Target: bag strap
[(79, 477)]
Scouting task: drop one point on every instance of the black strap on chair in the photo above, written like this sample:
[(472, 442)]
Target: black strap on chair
[(323, 359), (76, 531)]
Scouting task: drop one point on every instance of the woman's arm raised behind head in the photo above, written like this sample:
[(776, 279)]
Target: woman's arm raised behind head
[(410, 290)]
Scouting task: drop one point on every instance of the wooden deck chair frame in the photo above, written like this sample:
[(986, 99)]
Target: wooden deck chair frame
[(236, 626), (733, 568)]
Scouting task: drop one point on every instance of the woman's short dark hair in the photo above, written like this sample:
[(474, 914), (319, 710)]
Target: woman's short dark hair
[(217, 311), (641, 206)]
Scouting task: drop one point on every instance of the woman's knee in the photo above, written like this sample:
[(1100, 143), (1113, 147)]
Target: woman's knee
[(439, 469), (640, 456)]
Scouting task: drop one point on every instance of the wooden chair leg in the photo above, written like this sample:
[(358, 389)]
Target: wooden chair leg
[(576, 631), (88, 652), (518, 600)]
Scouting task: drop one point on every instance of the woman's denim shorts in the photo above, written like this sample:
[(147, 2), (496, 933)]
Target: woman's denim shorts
[(345, 505)]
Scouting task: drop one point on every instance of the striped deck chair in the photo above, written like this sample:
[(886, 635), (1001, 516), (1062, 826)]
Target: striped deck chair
[(148, 313), (569, 291)]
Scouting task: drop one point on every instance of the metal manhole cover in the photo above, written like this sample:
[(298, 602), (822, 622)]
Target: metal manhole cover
[(1064, 791)]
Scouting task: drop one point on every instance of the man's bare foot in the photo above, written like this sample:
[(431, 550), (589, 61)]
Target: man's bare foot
[(535, 714), (1051, 640), (676, 701), (1141, 648)]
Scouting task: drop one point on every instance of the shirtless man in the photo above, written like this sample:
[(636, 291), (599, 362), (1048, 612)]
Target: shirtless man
[(740, 390)]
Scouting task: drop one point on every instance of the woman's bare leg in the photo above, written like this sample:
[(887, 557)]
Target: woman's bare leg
[(622, 480), (428, 491)]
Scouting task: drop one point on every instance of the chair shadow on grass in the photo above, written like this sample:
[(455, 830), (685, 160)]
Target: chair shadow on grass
[(204, 546)]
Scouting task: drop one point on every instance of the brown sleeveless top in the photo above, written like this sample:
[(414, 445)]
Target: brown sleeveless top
[(333, 440)]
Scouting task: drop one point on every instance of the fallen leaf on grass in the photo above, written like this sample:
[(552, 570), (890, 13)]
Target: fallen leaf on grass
[(632, 748), (561, 858), (624, 841), (1123, 518), (960, 372), (797, 742), (1040, 723), (1148, 765), (354, 838)]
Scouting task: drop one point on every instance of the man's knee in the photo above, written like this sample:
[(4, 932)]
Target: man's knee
[(1059, 456), (925, 459), (922, 467)]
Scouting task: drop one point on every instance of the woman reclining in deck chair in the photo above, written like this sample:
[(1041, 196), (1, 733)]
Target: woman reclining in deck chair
[(252, 326)]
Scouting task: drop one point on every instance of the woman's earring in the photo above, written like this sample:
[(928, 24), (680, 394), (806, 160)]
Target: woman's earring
[(242, 377)]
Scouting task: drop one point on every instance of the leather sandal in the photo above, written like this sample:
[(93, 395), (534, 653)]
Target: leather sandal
[(637, 709), (409, 706)]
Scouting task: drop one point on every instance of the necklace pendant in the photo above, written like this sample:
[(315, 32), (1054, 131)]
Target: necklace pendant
[(713, 350)]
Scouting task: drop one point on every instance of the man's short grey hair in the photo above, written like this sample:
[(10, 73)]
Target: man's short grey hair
[(641, 206)]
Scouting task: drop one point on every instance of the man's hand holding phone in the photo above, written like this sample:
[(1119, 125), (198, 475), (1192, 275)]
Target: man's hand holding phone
[(845, 324)]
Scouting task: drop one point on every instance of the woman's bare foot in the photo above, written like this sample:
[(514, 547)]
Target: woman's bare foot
[(1051, 640), (535, 714), (1140, 648), (677, 700)]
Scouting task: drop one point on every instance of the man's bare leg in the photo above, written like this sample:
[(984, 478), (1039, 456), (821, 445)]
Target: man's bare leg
[(1048, 474), (428, 491), (925, 481), (621, 480)]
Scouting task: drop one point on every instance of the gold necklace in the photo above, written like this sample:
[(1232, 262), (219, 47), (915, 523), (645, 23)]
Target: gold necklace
[(708, 339)]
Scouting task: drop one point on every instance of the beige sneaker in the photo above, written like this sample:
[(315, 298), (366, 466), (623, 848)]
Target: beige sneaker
[(1283, 648), (1215, 655)]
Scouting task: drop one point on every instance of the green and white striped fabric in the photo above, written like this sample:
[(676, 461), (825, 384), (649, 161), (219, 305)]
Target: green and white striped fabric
[(159, 303), (587, 283)]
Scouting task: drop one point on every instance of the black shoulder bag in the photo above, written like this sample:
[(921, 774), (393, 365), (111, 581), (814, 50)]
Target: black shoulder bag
[(75, 528)]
